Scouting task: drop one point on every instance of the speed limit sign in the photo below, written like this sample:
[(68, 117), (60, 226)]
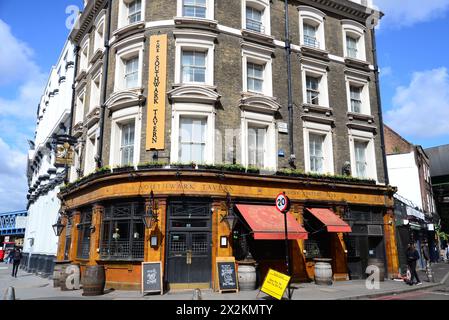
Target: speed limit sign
[(282, 203)]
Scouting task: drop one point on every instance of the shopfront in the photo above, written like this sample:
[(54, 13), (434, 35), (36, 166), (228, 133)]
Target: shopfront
[(191, 229)]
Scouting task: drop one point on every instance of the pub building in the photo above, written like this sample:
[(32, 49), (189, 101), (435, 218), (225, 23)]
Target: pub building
[(184, 141)]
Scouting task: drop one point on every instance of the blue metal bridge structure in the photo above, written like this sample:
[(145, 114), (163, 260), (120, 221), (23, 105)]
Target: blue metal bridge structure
[(10, 225)]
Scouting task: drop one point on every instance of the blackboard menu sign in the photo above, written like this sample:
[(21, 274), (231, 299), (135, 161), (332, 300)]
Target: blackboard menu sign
[(152, 277), (227, 274)]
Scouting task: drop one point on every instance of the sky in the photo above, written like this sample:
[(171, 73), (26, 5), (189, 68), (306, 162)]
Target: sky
[(412, 40)]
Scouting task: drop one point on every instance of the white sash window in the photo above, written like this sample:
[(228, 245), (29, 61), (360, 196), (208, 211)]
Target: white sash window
[(195, 8), (132, 73), (135, 11), (316, 146), (193, 66), (256, 146), (192, 140), (127, 144)]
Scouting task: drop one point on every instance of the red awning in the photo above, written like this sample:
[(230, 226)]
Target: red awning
[(330, 220), (268, 224)]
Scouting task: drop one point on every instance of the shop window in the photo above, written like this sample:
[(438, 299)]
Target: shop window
[(123, 232), (84, 231), (68, 239)]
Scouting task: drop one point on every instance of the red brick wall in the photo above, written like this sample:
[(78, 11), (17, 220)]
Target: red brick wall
[(394, 143)]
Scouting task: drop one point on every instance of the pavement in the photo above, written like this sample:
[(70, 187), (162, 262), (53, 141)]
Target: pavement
[(32, 287)]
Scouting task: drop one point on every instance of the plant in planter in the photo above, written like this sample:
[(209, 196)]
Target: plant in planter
[(125, 168), (180, 165), (253, 170), (150, 165), (232, 168)]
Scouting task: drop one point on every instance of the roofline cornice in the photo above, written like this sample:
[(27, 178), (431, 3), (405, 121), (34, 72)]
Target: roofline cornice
[(86, 20)]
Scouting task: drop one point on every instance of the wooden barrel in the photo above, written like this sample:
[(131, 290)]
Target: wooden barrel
[(380, 264), (70, 277), (323, 273), (94, 281), (247, 277)]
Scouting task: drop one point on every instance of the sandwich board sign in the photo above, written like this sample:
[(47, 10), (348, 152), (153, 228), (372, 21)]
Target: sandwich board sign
[(152, 277), (227, 274), (275, 284)]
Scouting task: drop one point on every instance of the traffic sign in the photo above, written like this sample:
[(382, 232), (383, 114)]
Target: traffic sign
[(282, 203)]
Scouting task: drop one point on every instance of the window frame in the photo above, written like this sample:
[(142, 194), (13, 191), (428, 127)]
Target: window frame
[(260, 59), (123, 55), (91, 151), (363, 137), (191, 43), (356, 31), (253, 119), (260, 5), (194, 110), (108, 220), (365, 95), (312, 16), (80, 107), (123, 15), (328, 151), (95, 94), (210, 5), (319, 72), (84, 232), (119, 118)]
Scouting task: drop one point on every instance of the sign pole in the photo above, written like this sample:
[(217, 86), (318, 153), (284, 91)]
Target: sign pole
[(283, 206), (287, 254)]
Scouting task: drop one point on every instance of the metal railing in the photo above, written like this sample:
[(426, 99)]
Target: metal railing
[(122, 249), (255, 25), (311, 41)]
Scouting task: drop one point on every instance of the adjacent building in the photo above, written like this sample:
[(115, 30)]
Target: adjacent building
[(44, 178), (183, 116), (439, 172), (416, 215)]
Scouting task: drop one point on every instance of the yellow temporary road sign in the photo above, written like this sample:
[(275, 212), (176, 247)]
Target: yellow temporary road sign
[(275, 284)]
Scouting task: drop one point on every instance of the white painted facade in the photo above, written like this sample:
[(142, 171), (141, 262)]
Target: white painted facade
[(404, 174), (53, 110)]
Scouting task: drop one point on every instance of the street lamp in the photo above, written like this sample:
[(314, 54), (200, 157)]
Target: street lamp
[(150, 217), (58, 227), (230, 218)]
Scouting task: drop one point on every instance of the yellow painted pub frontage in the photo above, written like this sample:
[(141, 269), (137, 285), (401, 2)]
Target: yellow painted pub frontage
[(198, 216)]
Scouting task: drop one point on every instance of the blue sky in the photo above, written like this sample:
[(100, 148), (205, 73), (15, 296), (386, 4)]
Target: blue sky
[(412, 48)]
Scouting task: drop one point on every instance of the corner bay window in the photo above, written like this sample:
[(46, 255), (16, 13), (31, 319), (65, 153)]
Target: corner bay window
[(255, 77), (135, 11), (254, 19), (192, 140), (194, 8), (351, 47), (256, 146), (127, 144), (310, 35), (132, 72), (356, 99), (316, 143), (84, 234), (313, 92), (123, 232), (360, 158), (193, 66)]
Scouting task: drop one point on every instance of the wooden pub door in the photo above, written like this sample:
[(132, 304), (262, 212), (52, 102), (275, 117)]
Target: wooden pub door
[(189, 253)]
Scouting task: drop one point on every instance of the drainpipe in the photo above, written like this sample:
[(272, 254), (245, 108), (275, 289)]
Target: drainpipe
[(379, 101), (99, 157), (72, 107), (289, 82)]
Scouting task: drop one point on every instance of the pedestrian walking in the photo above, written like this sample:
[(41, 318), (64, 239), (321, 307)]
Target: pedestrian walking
[(413, 256), (17, 257)]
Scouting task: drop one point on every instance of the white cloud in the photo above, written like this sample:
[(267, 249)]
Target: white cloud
[(13, 182), (386, 71), (21, 75), (17, 66), (421, 110), (404, 13)]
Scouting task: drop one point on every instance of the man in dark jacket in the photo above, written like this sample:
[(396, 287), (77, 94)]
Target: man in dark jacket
[(412, 256), (16, 258)]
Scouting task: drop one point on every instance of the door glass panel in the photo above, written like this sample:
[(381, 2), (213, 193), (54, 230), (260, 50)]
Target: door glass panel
[(178, 243), (200, 243)]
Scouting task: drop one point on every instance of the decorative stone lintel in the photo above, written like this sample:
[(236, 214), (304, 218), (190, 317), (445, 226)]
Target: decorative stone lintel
[(138, 26), (358, 116), (257, 36), (93, 117), (319, 109), (126, 98), (97, 55), (315, 52), (82, 74), (78, 129), (358, 64), (259, 103), (318, 119), (188, 21), (362, 127)]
